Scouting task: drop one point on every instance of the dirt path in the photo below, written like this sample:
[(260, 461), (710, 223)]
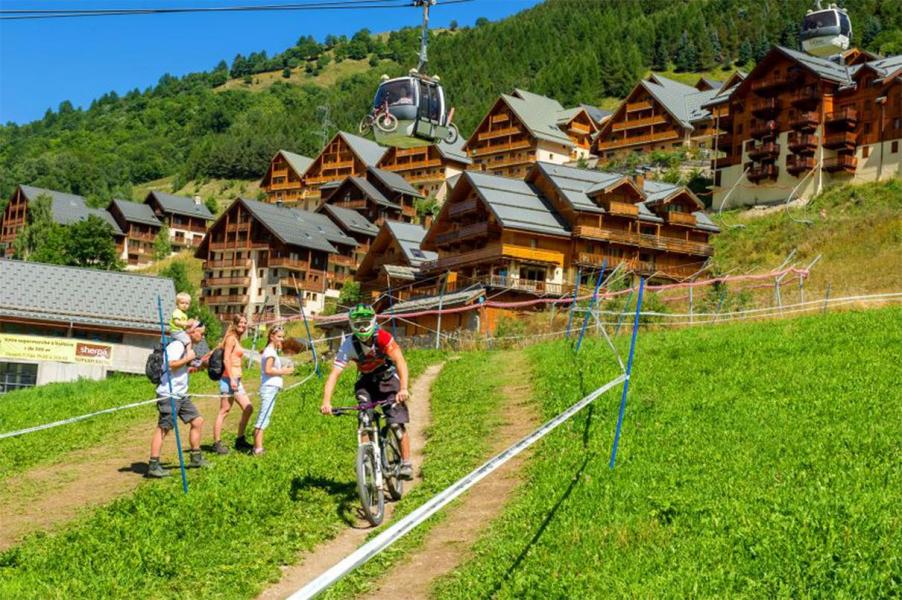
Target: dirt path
[(448, 544), (44, 497), (326, 555)]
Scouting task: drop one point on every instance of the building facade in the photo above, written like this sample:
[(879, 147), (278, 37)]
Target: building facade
[(427, 168), (378, 195), (802, 123), (524, 128), (186, 218), (141, 228), (346, 155), (282, 182), (393, 262)]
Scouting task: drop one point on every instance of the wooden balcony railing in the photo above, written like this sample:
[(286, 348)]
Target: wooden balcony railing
[(645, 122), (305, 279), (802, 142), (210, 282), (500, 118), (352, 204), (219, 300), (843, 162), (493, 253), (774, 83), (345, 261), (496, 148), (768, 151), (496, 133), (622, 209), (464, 233), (462, 208), (799, 164), (410, 166), (284, 185), (644, 240), (680, 218), (660, 136), (228, 263), (767, 130), (343, 164), (766, 107), (636, 106), (806, 96), (845, 139), (805, 121), (289, 263), (845, 115), (541, 288), (142, 237), (757, 173), (578, 128), (241, 245)]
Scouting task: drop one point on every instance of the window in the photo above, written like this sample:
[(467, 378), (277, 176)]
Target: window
[(895, 147), (866, 151), (16, 376), (897, 123)]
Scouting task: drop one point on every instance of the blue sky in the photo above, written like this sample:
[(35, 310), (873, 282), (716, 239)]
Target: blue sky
[(43, 62)]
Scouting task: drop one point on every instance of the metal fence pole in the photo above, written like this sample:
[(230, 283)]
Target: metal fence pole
[(629, 372), (168, 375)]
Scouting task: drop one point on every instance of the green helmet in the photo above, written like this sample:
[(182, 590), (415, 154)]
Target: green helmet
[(363, 321)]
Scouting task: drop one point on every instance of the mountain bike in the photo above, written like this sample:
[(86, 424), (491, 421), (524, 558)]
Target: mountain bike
[(381, 118), (378, 460)]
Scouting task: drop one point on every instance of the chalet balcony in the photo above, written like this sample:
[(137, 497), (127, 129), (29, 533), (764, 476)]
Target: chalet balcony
[(494, 253), (845, 140), (502, 118), (843, 162), (622, 209), (805, 121), (643, 240), (284, 185), (846, 117), (661, 136), (468, 232), (345, 261), (212, 282), (231, 263), (773, 84), (237, 245), (461, 208), (341, 164), (238, 226), (680, 218), (637, 106), (350, 204), (497, 148), (579, 129), (806, 97), (766, 107), (725, 140), (799, 164), (221, 300), (285, 262), (768, 151), (802, 143), (496, 133), (402, 166), (540, 288), (634, 123), (768, 130), (759, 173), (142, 237), (311, 279)]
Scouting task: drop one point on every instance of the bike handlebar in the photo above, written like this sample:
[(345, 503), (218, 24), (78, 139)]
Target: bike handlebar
[(339, 411)]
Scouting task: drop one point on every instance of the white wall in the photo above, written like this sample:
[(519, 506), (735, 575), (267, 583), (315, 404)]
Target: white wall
[(870, 169)]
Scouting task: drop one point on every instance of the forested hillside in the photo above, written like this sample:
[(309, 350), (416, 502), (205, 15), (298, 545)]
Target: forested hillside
[(196, 127)]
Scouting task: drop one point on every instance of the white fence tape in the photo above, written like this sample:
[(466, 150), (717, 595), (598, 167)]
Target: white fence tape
[(411, 521), (10, 434)]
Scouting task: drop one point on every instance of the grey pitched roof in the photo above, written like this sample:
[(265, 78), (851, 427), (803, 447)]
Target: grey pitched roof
[(134, 212), (539, 115), (69, 208), (182, 205), (714, 83), (655, 191), (298, 227), (820, 66), (83, 296), (885, 66), (409, 238), (351, 220), (394, 181), (704, 222), (598, 114), (402, 272), (517, 205), (683, 102), (430, 302), (372, 192), (647, 215), (298, 163), (575, 184), (368, 151), (454, 151)]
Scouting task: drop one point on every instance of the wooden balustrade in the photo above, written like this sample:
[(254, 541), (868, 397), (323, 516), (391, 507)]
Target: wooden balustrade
[(846, 139), (798, 164), (462, 233), (680, 218), (636, 106), (640, 139), (239, 245), (351, 204), (491, 253), (230, 263), (496, 148), (285, 262), (225, 282), (843, 162), (623, 209), (460, 208), (338, 259), (847, 114), (218, 300), (542, 288), (644, 240), (495, 133), (644, 122)]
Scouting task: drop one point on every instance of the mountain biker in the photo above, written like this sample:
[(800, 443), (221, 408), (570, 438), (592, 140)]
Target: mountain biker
[(382, 374)]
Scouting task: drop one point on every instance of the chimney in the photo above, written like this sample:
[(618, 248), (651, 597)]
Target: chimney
[(427, 221), (639, 180), (197, 201)]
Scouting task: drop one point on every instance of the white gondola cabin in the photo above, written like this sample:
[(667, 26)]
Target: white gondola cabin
[(826, 32)]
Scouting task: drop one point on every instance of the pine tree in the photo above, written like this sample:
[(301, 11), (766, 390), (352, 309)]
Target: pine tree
[(686, 58), (660, 58), (162, 246), (90, 244), (745, 53)]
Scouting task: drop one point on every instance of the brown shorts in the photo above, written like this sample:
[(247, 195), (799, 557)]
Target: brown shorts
[(369, 390), (185, 409)]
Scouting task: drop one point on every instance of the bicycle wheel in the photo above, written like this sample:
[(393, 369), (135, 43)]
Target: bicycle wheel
[(387, 122), (371, 498), (453, 134), (366, 123), (392, 459)]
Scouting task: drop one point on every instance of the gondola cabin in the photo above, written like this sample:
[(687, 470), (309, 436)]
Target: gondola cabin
[(410, 112), (826, 32)]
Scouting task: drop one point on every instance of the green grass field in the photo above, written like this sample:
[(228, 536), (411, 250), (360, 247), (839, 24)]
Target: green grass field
[(757, 460)]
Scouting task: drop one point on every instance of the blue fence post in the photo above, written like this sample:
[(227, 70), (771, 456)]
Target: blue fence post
[(626, 306), (579, 275), (175, 422), (582, 333), (310, 339), (629, 372)]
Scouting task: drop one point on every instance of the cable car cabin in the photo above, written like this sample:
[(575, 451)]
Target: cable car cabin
[(826, 32), (410, 112)]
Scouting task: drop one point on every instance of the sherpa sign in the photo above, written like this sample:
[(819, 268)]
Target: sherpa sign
[(28, 347)]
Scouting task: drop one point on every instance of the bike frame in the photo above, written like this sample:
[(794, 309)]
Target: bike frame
[(369, 427)]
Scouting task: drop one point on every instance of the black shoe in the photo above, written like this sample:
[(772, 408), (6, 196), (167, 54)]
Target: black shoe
[(242, 444)]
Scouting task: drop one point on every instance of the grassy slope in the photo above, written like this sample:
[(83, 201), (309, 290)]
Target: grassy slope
[(756, 460), (194, 266), (856, 229), (224, 191), (241, 520)]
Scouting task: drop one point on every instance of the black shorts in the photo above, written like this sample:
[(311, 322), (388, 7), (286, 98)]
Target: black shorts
[(372, 389), (185, 409)]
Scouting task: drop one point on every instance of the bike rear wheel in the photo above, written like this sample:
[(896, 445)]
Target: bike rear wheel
[(392, 454), (371, 498)]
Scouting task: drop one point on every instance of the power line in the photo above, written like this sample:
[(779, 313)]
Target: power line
[(38, 14)]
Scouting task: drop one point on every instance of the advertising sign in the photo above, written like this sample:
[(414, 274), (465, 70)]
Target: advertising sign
[(28, 347)]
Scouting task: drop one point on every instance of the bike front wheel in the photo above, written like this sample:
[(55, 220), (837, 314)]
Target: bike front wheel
[(392, 456), (371, 498)]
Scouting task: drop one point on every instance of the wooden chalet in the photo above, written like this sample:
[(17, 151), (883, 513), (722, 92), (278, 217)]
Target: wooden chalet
[(346, 155), (262, 258), (186, 218), (801, 123), (282, 182), (427, 168), (393, 261), (378, 195), (141, 227), (661, 114), (523, 128), (65, 209), (353, 225)]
